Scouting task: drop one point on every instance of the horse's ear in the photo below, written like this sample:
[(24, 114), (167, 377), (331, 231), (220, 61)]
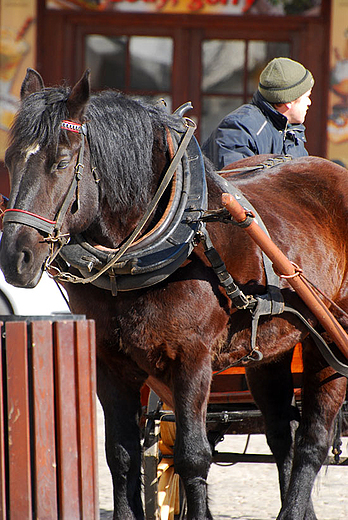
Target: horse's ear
[(32, 83), (79, 97)]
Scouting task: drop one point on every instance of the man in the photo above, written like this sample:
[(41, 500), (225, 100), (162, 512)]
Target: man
[(271, 123)]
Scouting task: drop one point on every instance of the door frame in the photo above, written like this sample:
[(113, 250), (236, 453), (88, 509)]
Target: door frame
[(309, 38)]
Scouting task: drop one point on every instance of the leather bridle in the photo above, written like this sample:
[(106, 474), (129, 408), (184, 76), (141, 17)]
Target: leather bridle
[(53, 227)]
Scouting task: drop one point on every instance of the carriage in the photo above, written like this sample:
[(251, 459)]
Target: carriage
[(231, 411), (113, 197)]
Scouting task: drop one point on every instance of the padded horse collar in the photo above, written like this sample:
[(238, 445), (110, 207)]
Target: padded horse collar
[(154, 258)]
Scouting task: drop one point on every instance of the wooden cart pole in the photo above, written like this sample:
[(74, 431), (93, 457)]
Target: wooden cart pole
[(284, 267)]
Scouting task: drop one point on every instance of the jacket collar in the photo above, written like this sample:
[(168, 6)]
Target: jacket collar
[(278, 120)]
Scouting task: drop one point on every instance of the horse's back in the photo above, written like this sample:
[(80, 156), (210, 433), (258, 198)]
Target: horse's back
[(305, 182), (303, 203)]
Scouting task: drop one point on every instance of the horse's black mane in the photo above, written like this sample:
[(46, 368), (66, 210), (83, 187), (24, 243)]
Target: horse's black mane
[(122, 135), (38, 120)]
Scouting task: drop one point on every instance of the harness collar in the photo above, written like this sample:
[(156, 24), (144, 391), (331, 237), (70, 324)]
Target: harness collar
[(157, 255)]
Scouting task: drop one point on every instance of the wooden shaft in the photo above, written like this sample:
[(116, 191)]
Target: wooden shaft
[(283, 266)]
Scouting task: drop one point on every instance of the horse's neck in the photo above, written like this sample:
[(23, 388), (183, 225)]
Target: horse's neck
[(110, 229)]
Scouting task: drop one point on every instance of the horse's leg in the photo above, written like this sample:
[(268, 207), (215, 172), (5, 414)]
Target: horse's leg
[(192, 452), (272, 389), (322, 396), (121, 407)]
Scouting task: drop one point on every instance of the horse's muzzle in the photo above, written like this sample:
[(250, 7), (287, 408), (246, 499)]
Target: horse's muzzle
[(21, 267)]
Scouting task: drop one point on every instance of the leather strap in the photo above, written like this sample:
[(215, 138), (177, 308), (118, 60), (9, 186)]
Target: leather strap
[(323, 347), (20, 216)]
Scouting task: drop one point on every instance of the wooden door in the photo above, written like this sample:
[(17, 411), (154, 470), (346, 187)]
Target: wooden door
[(213, 61)]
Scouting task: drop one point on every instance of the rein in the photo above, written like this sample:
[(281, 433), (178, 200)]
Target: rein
[(269, 163)]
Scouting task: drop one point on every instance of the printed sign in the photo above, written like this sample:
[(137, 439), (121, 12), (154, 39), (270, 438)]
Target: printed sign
[(233, 7), (337, 125), (17, 52)]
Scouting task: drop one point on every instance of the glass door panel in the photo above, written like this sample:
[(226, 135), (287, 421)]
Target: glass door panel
[(223, 66), (151, 63), (106, 56), (138, 65)]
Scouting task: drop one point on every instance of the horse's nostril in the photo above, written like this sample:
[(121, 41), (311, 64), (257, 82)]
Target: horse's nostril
[(27, 257), (24, 260)]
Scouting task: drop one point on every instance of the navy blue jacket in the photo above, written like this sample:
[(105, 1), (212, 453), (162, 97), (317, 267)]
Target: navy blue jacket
[(253, 129)]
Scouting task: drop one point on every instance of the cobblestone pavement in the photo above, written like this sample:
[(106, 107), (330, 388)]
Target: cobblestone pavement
[(247, 491)]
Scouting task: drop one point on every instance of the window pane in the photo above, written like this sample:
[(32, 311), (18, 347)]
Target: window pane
[(151, 63), (259, 54), (214, 109), (223, 66), (106, 57)]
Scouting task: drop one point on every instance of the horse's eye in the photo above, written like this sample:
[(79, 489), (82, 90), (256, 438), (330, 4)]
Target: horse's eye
[(62, 164)]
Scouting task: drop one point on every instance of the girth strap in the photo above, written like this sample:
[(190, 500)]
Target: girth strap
[(258, 305), (272, 279), (239, 300), (267, 304)]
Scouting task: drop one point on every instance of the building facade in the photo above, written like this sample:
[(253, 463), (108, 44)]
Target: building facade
[(209, 52)]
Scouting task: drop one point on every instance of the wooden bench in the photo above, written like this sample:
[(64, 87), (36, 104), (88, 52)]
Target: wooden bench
[(48, 448)]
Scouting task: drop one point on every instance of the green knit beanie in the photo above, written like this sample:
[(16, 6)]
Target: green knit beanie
[(284, 80)]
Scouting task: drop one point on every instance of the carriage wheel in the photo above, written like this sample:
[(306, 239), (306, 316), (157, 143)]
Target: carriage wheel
[(163, 490)]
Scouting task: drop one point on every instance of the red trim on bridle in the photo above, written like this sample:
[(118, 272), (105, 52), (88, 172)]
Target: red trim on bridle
[(70, 125), (53, 222)]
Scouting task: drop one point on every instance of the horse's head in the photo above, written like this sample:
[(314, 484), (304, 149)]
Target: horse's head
[(79, 164), (52, 195)]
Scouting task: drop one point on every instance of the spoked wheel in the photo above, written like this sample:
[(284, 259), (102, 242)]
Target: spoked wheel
[(164, 494)]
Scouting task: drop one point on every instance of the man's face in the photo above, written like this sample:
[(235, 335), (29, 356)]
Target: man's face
[(297, 109)]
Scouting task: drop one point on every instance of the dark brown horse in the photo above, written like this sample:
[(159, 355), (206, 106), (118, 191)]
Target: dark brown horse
[(174, 332)]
